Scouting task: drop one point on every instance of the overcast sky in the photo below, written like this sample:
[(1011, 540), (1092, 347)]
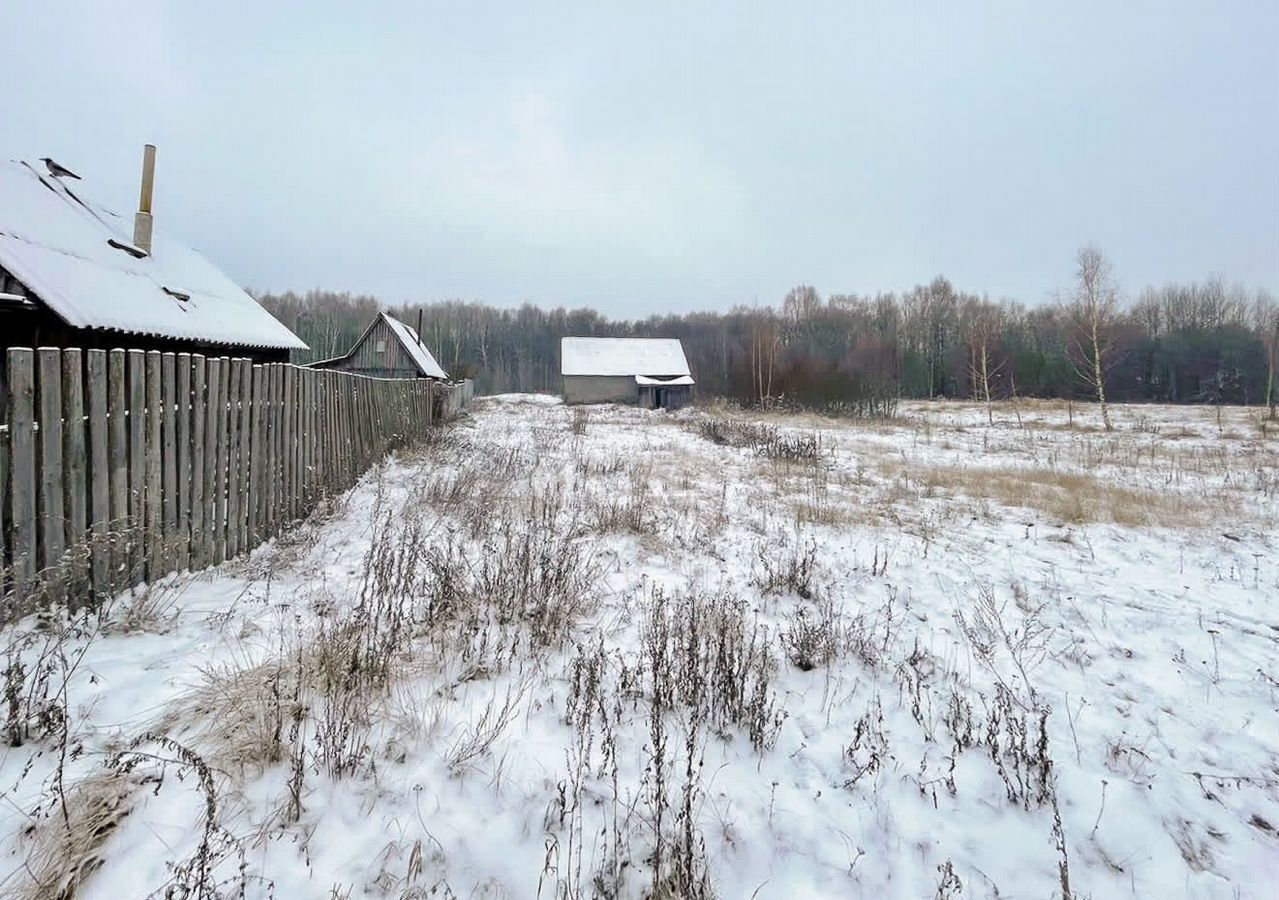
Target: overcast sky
[(673, 156)]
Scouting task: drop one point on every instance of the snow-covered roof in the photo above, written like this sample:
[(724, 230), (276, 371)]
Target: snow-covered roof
[(413, 345), (645, 381), (74, 256), (622, 356), (409, 340)]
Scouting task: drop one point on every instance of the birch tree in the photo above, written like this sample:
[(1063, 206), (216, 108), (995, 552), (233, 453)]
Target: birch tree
[(985, 324), (1093, 310), (1266, 312)]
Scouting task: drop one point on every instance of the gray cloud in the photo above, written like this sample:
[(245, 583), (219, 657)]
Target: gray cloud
[(669, 157)]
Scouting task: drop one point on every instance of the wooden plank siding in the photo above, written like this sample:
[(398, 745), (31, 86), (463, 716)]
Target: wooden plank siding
[(379, 354), (123, 466)]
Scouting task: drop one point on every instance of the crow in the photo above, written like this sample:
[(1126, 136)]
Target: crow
[(58, 171)]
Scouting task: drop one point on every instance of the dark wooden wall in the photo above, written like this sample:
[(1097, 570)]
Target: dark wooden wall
[(672, 397), (38, 327), (393, 361)]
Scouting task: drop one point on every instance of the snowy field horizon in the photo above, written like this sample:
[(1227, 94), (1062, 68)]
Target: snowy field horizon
[(607, 652)]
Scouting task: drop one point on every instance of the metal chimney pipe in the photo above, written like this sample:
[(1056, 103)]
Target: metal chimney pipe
[(142, 221)]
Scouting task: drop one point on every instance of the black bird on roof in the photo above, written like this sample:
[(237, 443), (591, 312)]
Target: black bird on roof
[(57, 170)]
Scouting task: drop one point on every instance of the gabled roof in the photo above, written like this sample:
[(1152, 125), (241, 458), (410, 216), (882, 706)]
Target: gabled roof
[(408, 337), (655, 357), (409, 340), (78, 259)]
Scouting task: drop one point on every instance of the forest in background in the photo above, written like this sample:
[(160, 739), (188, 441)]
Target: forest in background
[(1204, 342)]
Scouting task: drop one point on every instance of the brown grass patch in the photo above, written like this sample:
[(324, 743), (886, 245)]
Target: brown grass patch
[(1068, 497), (65, 847), (808, 512)]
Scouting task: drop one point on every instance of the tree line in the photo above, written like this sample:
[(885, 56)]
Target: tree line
[(1203, 342)]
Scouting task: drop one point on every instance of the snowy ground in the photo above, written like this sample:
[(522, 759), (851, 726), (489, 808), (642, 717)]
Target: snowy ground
[(618, 653)]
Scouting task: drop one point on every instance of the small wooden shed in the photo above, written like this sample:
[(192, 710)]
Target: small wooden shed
[(387, 349)]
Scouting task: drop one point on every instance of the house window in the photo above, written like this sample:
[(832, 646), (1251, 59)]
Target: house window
[(379, 346)]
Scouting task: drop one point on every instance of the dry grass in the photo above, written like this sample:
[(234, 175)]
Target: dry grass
[(1067, 497), (64, 847)]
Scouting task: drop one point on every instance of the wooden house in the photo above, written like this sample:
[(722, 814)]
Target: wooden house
[(650, 372), (75, 274), (387, 349)]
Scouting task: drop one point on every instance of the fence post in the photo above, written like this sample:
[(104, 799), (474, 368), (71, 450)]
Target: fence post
[(345, 387), (299, 436), (220, 462), (118, 451), (99, 473), (233, 459), (274, 379), (246, 379), (310, 468), (53, 522), (22, 466), (290, 443), (183, 440), (256, 461), (73, 459), (199, 447), (328, 451), (137, 462), (5, 558), (155, 470), (169, 462), (213, 369)]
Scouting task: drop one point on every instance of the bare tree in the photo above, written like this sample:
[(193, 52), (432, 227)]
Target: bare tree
[(1266, 314), (1093, 310), (801, 304), (766, 340), (985, 323)]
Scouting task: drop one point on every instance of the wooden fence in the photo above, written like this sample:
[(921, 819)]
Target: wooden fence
[(117, 467)]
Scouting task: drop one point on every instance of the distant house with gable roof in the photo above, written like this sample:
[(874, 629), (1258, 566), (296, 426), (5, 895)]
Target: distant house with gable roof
[(650, 372), (388, 349)]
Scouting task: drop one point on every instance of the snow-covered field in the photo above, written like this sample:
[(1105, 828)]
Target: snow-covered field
[(618, 653)]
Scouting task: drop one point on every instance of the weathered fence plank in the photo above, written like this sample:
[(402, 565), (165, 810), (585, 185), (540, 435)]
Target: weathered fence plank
[(277, 450), (290, 443), (118, 452), (256, 455), (22, 467), (74, 463), (220, 462), (246, 418), (137, 463), (4, 491), (99, 473), (154, 526), (213, 371), (182, 438), (169, 454), (233, 458), (199, 427), (272, 434), (308, 437), (53, 518)]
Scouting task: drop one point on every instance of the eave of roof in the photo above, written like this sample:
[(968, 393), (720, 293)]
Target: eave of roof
[(74, 257)]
